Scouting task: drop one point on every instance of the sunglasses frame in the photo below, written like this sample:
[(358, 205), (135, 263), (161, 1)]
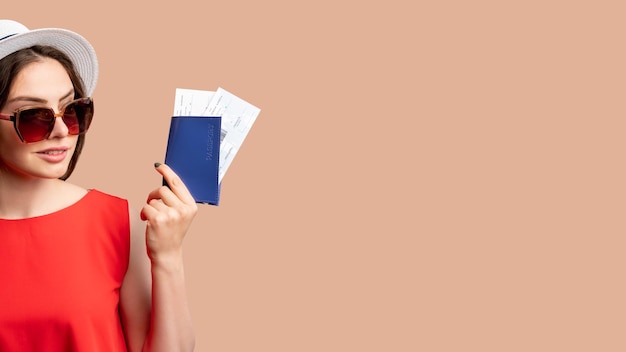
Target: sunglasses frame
[(15, 117)]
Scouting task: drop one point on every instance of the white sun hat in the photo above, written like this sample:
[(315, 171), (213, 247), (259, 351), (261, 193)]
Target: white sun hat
[(15, 36)]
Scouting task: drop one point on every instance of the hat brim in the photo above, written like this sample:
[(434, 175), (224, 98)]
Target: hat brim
[(77, 48)]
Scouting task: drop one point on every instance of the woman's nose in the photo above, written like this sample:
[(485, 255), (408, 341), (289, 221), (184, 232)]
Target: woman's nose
[(60, 128)]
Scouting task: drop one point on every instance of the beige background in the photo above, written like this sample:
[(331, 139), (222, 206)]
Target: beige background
[(421, 177)]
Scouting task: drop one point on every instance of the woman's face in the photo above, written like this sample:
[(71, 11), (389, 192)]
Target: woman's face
[(43, 83)]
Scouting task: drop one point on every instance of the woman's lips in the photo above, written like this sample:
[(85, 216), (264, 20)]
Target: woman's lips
[(53, 155)]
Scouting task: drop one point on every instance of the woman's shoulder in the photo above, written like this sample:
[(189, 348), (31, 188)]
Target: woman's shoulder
[(105, 195), (75, 195)]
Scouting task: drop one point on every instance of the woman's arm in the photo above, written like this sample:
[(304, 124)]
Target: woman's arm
[(153, 299)]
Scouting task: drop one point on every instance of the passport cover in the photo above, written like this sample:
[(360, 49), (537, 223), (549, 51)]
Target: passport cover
[(193, 152)]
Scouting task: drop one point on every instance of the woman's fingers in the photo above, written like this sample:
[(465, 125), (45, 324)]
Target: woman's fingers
[(173, 204), (168, 212), (165, 195), (175, 184)]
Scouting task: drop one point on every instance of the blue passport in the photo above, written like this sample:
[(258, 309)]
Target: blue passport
[(193, 152)]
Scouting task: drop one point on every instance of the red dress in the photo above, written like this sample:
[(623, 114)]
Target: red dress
[(61, 276)]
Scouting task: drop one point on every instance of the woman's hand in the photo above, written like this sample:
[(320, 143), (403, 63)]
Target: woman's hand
[(168, 214)]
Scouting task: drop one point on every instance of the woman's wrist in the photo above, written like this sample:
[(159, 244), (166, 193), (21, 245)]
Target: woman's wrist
[(167, 263)]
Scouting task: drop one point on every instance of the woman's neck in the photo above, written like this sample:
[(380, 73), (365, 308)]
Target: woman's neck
[(25, 198)]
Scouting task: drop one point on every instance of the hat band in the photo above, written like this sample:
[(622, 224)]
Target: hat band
[(10, 35)]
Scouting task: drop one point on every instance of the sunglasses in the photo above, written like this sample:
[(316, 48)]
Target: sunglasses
[(34, 124)]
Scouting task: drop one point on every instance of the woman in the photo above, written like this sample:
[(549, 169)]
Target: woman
[(79, 270)]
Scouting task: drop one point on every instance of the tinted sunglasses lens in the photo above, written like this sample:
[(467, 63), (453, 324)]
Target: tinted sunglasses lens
[(35, 124), (78, 115)]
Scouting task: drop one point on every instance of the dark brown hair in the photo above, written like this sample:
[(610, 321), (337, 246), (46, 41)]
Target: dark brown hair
[(12, 64)]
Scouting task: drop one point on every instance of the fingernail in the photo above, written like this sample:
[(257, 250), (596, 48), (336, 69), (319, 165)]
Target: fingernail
[(157, 164)]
